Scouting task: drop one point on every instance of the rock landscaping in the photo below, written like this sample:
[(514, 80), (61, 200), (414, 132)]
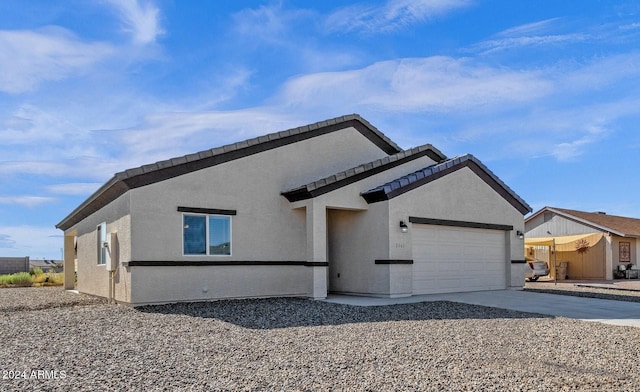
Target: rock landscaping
[(59, 341)]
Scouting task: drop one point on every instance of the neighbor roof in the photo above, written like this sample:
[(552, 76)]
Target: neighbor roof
[(619, 225), (432, 173), (121, 182), (360, 172)]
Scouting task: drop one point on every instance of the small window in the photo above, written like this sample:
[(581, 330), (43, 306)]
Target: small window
[(206, 235), (101, 230)]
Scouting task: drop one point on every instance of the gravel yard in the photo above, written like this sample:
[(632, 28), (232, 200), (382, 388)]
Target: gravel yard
[(576, 290), (303, 345)]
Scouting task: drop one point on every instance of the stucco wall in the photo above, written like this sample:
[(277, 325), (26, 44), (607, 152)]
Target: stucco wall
[(616, 240), (265, 227), (359, 236), (93, 278), (356, 239), (202, 283), (460, 196)]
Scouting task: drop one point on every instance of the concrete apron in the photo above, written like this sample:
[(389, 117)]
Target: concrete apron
[(587, 309)]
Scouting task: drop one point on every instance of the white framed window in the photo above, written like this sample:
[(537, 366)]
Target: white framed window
[(206, 235), (101, 231)]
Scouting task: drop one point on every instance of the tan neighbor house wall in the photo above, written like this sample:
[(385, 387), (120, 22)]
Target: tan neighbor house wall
[(588, 265)]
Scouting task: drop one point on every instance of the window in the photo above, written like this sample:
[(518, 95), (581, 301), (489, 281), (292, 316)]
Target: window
[(206, 235), (101, 230)]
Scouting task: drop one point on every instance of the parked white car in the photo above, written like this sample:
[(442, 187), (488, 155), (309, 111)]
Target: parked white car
[(538, 269)]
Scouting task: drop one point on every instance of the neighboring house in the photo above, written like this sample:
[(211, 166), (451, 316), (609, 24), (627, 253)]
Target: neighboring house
[(332, 206), (607, 241), (46, 265)]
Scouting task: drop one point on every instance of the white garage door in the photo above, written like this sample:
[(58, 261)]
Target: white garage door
[(452, 259)]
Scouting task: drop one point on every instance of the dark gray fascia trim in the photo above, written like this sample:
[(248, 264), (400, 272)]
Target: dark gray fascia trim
[(518, 261), (394, 261), (382, 194), (122, 182), (304, 193), (455, 223), (194, 263), (212, 211)]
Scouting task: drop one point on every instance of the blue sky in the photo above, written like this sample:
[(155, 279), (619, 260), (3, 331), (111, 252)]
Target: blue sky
[(545, 93)]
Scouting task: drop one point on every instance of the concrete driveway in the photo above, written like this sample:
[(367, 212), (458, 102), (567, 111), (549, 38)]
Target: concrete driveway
[(587, 309)]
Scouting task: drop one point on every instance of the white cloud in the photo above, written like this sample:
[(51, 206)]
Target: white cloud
[(52, 53), (495, 45), (528, 29), (25, 201), (266, 23), (630, 26), (569, 151), (30, 124), (392, 16), (33, 241), (433, 84), (603, 72), (76, 188), (140, 19), (80, 167), (536, 34), (6, 241), (165, 135)]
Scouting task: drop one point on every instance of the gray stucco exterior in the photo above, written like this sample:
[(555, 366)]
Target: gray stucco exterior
[(287, 238)]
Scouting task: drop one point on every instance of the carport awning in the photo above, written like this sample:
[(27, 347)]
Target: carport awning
[(564, 241)]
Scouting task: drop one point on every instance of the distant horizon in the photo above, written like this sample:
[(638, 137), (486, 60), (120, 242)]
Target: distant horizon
[(545, 93)]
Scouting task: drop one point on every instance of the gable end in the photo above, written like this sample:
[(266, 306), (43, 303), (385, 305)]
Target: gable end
[(417, 179), (358, 173)]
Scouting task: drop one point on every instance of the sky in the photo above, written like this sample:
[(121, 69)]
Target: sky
[(546, 93)]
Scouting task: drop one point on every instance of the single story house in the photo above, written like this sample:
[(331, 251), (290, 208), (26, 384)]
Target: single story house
[(334, 206), (592, 244), (46, 265)]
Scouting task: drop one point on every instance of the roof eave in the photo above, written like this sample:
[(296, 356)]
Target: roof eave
[(112, 189), (453, 165), (312, 190), (163, 170), (586, 222)]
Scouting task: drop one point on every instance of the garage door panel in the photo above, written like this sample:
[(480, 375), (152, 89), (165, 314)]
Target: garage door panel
[(451, 259)]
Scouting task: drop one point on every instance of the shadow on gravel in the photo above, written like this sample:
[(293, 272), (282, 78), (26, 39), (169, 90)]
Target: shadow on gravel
[(586, 294), (296, 312)]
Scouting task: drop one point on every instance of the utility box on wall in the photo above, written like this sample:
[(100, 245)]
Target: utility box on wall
[(111, 259)]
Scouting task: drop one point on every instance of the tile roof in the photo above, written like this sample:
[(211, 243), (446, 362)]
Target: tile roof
[(123, 181), (385, 143), (357, 173), (428, 174), (624, 226)]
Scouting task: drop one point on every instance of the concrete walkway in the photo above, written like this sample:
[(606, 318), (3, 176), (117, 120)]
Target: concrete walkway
[(587, 309)]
